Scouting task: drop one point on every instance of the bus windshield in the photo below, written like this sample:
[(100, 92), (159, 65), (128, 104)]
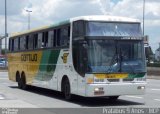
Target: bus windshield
[(109, 47), (113, 29), (115, 56)]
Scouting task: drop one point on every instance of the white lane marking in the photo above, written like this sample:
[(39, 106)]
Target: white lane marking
[(3, 78), (134, 97), (157, 99), (155, 89), (1, 98)]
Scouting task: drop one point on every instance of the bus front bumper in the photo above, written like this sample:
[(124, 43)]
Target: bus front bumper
[(115, 89)]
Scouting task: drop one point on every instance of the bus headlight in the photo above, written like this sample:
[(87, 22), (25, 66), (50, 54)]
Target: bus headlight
[(141, 87), (98, 91)]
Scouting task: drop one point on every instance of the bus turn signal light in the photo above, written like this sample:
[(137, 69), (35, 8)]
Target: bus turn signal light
[(90, 80)]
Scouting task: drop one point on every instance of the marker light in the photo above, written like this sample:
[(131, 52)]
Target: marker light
[(141, 87)]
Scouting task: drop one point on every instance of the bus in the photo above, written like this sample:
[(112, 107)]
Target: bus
[(89, 56)]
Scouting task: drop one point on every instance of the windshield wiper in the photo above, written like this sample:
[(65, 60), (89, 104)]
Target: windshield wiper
[(113, 60), (121, 59), (111, 63)]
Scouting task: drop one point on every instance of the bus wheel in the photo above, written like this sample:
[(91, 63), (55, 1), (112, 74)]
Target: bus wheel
[(114, 98), (18, 79), (66, 89), (23, 81)]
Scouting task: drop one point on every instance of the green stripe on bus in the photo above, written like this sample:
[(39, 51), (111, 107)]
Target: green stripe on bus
[(139, 75), (48, 65)]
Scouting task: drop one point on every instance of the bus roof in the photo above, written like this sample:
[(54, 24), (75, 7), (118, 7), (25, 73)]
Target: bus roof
[(105, 18), (87, 18), (39, 29)]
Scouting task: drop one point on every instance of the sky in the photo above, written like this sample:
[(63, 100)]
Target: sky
[(46, 12)]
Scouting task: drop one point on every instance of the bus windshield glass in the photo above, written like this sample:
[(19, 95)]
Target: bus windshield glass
[(108, 47), (115, 56), (113, 29)]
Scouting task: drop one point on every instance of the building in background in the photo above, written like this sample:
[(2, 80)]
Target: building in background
[(148, 50)]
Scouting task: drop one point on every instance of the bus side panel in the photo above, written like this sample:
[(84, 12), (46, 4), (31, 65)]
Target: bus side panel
[(65, 68), (54, 65), (13, 60), (44, 68), (46, 74), (26, 62)]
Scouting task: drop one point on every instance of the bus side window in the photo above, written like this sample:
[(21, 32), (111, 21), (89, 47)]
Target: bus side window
[(30, 42), (12, 45), (35, 41), (16, 44), (55, 38), (40, 40), (50, 38), (27, 40), (78, 29), (58, 38), (22, 43), (64, 40), (45, 39), (9, 45), (69, 32)]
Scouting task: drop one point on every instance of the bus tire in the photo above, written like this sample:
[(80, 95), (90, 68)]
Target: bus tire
[(113, 98), (23, 80), (18, 80), (66, 89)]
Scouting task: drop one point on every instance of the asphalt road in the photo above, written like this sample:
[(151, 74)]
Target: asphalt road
[(11, 96)]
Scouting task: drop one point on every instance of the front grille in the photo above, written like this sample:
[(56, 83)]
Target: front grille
[(128, 80), (113, 80)]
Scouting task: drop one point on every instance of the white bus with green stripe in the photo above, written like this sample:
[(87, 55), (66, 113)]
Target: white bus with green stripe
[(90, 56)]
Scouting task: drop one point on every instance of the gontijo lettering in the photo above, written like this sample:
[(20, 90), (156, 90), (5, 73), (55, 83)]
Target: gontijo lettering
[(29, 57)]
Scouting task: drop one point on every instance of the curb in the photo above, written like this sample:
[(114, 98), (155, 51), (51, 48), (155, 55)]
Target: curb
[(153, 77), (3, 70)]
